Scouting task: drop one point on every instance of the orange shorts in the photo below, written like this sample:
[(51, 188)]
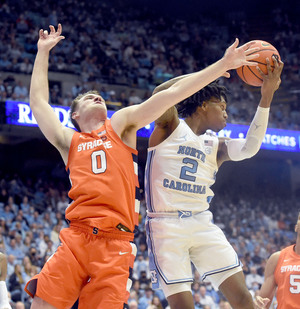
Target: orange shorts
[(93, 268)]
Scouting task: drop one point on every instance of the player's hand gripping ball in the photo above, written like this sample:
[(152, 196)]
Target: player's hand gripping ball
[(249, 74)]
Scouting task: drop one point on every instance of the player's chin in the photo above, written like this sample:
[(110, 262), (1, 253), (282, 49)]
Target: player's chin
[(220, 126)]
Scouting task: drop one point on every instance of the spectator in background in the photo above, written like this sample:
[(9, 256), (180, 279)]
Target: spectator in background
[(16, 283), (123, 99), (19, 305), (133, 304), (26, 66), (63, 202), (21, 91), (12, 249), (155, 304), (205, 299), (25, 206), (254, 280), (146, 300), (134, 98), (76, 89), (140, 264), (11, 261), (197, 301)]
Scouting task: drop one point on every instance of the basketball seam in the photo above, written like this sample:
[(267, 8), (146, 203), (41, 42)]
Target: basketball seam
[(254, 73), (265, 49), (260, 50), (244, 74), (272, 66)]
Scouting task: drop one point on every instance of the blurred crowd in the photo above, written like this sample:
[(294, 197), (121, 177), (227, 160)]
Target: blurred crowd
[(139, 49), (32, 215)]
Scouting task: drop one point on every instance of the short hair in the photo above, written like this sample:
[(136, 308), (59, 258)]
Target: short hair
[(74, 106), (213, 90)]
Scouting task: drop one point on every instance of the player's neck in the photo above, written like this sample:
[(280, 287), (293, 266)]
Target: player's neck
[(92, 125), (196, 125)]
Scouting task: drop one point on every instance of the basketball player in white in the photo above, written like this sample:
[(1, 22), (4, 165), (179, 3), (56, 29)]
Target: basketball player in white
[(181, 167)]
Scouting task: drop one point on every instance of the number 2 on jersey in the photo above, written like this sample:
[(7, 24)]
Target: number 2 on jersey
[(98, 162), (189, 169)]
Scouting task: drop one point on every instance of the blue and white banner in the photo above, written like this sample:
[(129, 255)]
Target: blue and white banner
[(19, 113)]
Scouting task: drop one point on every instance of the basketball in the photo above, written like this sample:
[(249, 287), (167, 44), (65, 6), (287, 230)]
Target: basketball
[(249, 74)]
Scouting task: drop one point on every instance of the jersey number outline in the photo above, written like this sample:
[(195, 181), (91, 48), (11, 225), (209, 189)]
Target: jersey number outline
[(189, 169), (102, 158), (295, 284)]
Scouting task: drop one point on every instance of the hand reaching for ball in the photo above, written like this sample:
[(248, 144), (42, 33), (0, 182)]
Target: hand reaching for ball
[(250, 74)]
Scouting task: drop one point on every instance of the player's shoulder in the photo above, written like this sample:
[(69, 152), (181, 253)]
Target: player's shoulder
[(273, 259)]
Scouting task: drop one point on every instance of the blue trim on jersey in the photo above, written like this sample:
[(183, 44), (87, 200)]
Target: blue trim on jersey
[(148, 172), (220, 270), (153, 263)]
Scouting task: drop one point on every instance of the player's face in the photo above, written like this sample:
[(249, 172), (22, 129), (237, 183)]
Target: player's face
[(217, 114), (93, 103)]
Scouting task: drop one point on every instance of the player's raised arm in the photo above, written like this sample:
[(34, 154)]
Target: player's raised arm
[(240, 149), (39, 90), (138, 116)]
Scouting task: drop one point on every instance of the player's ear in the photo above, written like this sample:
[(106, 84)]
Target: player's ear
[(74, 115), (204, 105)]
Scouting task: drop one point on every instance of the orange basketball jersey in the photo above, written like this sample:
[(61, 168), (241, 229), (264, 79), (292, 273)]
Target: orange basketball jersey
[(287, 277), (103, 175)]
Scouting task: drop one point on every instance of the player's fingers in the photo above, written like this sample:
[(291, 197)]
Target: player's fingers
[(41, 33), (52, 29), (61, 37), (59, 29), (250, 63), (260, 71), (265, 300), (226, 74), (251, 50), (234, 44), (247, 46), (254, 56), (281, 65), (268, 65)]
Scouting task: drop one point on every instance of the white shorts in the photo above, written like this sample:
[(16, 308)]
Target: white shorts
[(173, 243)]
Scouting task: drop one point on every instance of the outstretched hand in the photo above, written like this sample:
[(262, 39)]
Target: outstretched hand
[(48, 41), (236, 57)]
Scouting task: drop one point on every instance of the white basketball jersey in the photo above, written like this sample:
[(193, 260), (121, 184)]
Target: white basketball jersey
[(180, 171)]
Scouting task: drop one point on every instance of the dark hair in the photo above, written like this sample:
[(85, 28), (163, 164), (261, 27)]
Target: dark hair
[(75, 104), (213, 90)]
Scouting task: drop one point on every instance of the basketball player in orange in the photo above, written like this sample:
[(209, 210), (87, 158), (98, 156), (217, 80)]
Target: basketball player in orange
[(282, 277), (96, 253)]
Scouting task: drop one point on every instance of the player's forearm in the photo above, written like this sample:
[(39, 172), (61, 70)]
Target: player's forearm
[(39, 89), (169, 83), (266, 100), (240, 149), (192, 83), (159, 103)]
